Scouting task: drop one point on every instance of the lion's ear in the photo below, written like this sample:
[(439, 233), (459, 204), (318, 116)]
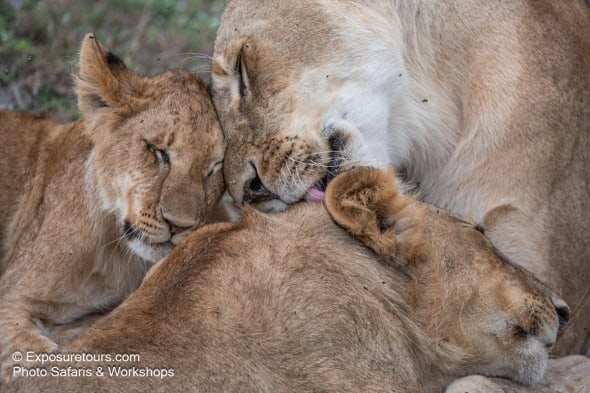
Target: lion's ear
[(367, 203), (104, 84)]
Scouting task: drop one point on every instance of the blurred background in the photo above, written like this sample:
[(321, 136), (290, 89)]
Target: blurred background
[(40, 39)]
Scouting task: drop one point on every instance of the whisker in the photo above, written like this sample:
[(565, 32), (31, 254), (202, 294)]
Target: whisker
[(113, 241), (297, 183), (201, 72), (313, 163), (195, 55), (199, 61)]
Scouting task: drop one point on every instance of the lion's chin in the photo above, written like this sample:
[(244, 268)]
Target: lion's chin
[(526, 371), (151, 253), (533, 372)]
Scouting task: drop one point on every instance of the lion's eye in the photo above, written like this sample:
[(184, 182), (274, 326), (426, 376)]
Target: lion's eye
[(242, 71), (216, 167), (161, 155)]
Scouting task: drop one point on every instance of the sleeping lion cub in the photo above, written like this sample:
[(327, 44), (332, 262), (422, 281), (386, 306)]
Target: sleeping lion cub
[(87, 208)]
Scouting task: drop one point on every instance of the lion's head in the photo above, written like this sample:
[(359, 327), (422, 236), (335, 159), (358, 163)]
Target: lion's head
[(158, 149), (478, 304), (293, 100)]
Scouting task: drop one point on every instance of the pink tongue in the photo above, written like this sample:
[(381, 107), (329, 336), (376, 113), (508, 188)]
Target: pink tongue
[(314, 195)]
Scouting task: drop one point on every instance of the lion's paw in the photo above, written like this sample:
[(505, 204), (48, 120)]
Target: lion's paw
[(20, 351)]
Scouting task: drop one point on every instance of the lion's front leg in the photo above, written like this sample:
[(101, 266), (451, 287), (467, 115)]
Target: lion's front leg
[(19, 335), (566, 374)]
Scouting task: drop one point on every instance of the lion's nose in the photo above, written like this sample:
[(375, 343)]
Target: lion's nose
[(177, 225), (563, 313), (176, 229), (177, 232), (255, 191)]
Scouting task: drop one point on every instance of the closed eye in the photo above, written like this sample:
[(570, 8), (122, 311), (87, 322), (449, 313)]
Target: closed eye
[(215, 168), (161, 155), (242, 71)]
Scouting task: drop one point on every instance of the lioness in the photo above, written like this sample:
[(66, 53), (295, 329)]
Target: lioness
[(86, 208), (482, 106), (290, 303)]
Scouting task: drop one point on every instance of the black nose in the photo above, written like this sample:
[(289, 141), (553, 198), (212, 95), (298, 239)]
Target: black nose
[(564, 313), (255, 191)]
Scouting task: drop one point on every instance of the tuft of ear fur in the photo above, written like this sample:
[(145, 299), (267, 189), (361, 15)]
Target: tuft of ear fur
[(367, 203), (104, 84)]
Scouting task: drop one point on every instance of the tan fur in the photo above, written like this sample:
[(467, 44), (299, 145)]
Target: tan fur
[(368, 205), (69, 190), (290, 303), (569, 374), (483, 107)]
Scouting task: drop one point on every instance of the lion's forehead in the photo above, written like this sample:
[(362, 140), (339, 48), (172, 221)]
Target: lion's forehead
[(178, 126)]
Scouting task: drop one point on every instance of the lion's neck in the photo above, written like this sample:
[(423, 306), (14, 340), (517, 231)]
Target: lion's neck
[(110, 253), (435, 71), (422, 54), (103, 221)]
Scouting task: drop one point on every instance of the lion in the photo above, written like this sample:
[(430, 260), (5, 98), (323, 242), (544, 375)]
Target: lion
[(88, 207), (565, 374), (482, 107), (289, 302)]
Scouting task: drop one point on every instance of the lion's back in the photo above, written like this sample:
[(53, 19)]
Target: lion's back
[(22, 137)]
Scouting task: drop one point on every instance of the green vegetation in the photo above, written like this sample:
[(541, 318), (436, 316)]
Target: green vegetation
[(39, 43)]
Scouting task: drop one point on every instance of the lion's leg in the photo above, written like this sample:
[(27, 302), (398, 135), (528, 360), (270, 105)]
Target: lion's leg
[(566, 374), (20, 333), (63, 334)]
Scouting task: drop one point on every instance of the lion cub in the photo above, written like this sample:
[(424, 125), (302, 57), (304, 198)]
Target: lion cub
[(88, 207)]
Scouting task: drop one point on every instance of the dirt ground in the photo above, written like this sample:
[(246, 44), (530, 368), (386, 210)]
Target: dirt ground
[(39, 44)]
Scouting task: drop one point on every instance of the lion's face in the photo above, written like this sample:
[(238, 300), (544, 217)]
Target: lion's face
[(507, 320), (158, 150), (160, 169), (497, 317), (294, 110)]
